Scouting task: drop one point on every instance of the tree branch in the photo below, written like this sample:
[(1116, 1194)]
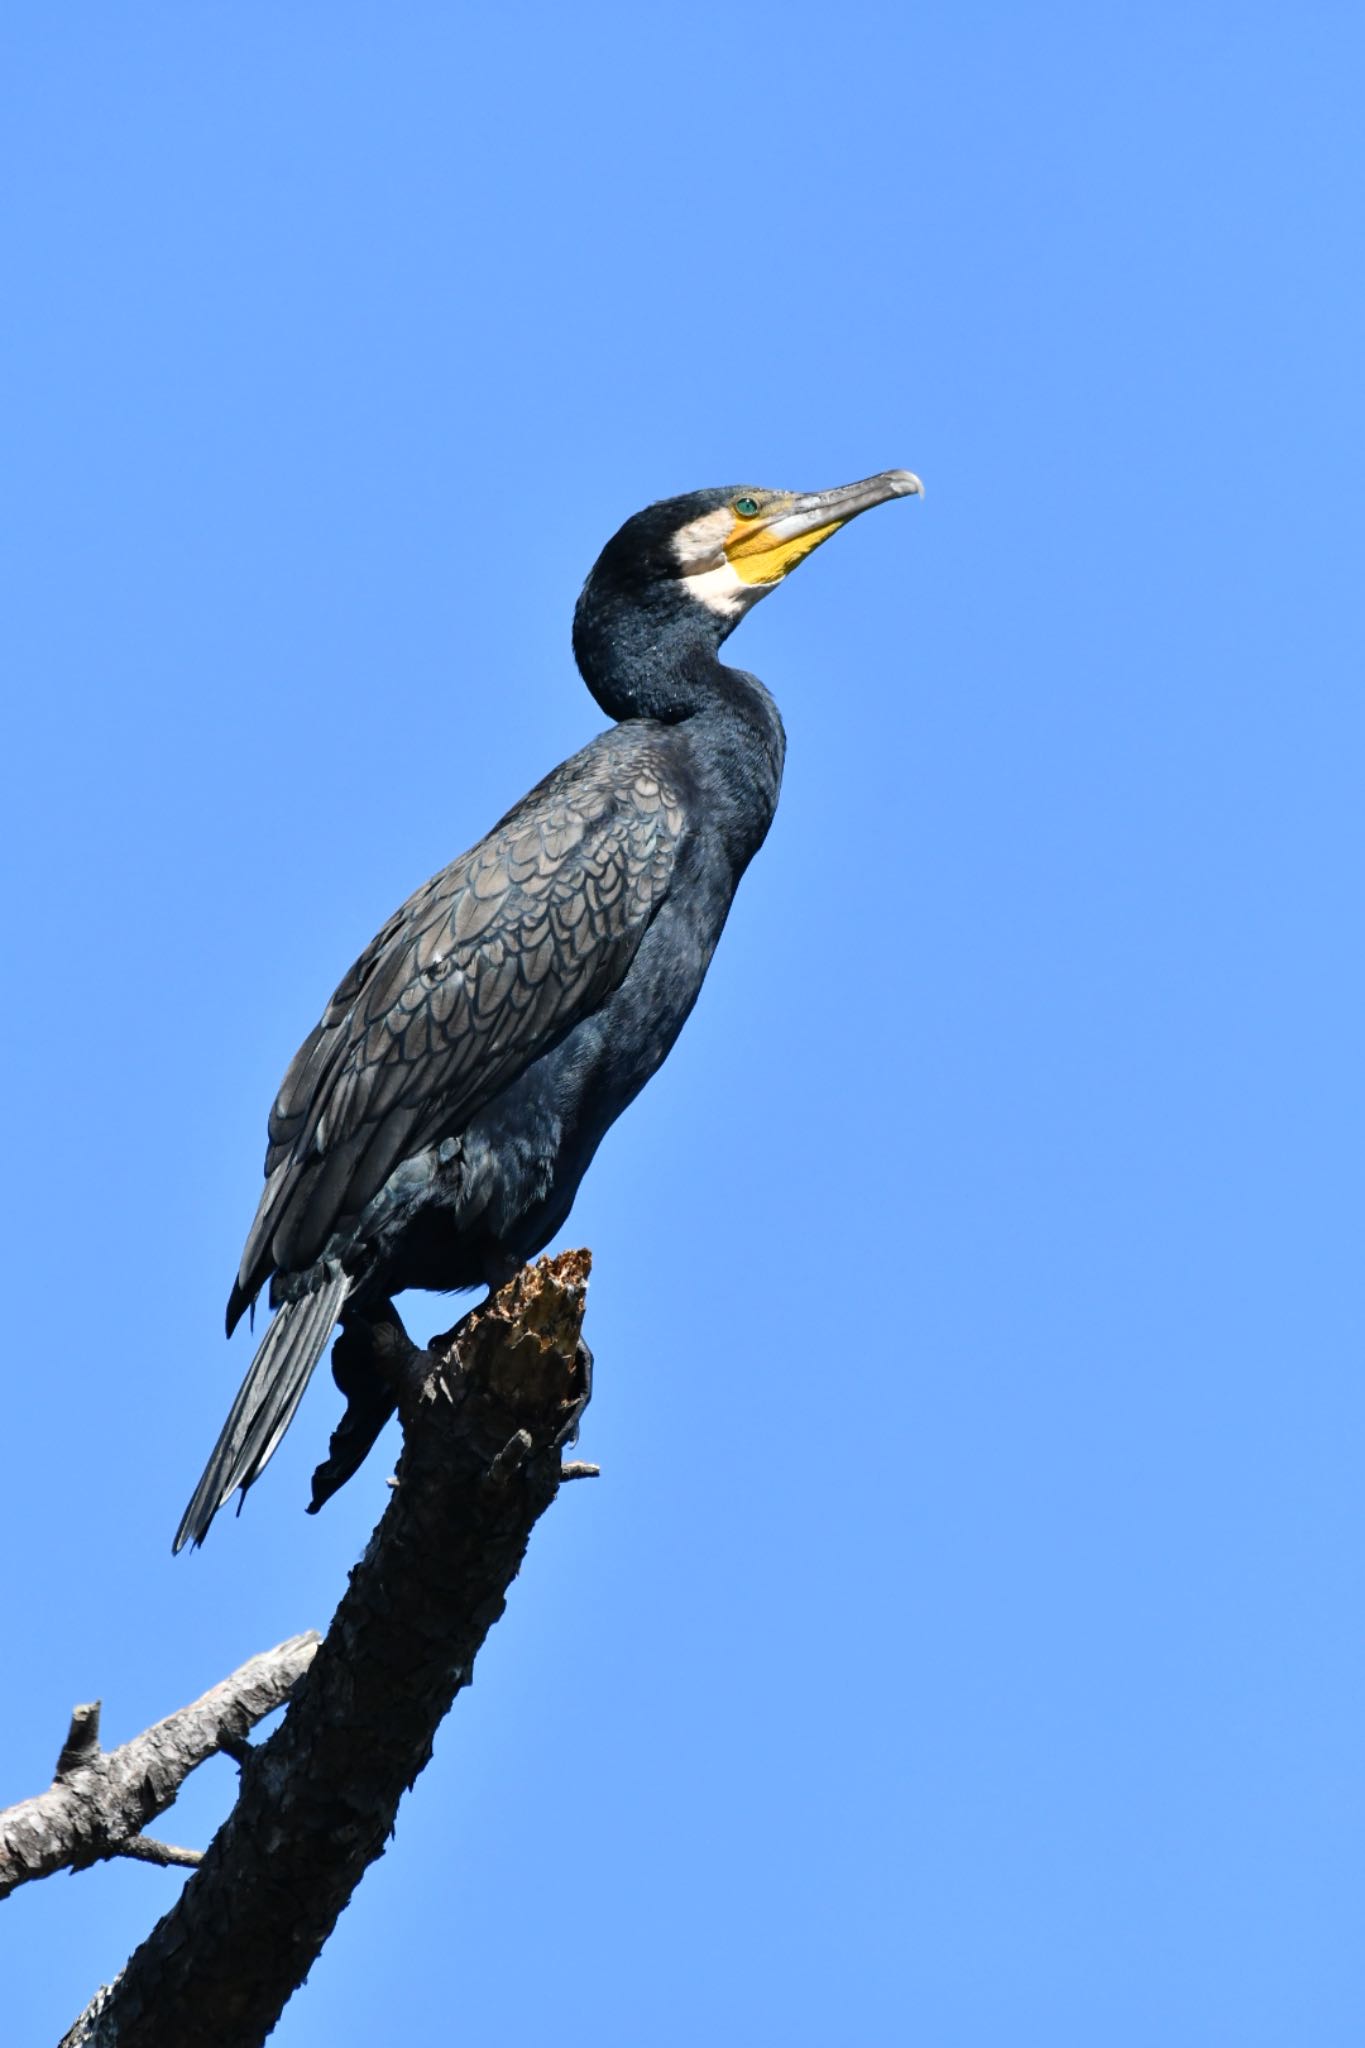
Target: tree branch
[(100, 1801), (484, 1415), (146, 1849)]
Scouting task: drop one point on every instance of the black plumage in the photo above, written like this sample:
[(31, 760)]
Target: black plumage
[(433, 1129)]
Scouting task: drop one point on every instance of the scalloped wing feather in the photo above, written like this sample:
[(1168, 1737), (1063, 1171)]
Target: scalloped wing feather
[(478, 973)]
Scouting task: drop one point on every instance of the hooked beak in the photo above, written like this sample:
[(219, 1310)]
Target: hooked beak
[(762, 550)]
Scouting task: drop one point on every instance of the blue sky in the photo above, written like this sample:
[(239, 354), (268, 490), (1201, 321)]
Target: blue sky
[(963, 1643)]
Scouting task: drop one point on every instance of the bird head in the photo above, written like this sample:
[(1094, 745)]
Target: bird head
[(678, 577), (718, 552)]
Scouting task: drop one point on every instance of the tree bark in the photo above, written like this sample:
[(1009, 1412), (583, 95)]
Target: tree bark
[(484, 1413)]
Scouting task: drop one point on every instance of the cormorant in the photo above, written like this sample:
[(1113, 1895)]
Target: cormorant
[(433, 1130)]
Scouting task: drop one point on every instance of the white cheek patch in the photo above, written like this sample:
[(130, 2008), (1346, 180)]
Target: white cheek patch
[(722, 590), (701, 544), (699, 549)]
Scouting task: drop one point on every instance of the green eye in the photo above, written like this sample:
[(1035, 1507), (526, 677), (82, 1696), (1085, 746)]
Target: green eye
[(747, 508)]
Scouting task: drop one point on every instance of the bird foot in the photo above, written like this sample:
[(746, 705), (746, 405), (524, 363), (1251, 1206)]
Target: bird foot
[(583, 1363), (377, 1367)]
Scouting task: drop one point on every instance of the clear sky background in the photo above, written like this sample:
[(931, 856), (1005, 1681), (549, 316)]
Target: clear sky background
[(963, 1643)]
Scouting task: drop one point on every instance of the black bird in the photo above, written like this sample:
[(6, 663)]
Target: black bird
[(433, 1130)]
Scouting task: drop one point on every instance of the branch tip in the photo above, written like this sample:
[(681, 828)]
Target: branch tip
[(511, 1457), (147, 1849), (82, 1744)]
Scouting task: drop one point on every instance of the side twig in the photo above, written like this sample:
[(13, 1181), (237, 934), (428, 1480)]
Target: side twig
[(100, 1800)]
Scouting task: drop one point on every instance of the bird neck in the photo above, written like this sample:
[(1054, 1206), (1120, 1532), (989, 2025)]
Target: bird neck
[(664, 664), (644, 657)]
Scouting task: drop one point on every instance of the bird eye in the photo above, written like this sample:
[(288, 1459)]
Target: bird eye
[(747, 508)]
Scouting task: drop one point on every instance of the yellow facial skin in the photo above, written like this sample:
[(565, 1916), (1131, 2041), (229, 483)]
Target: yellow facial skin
[(735, 554), (758, 555)]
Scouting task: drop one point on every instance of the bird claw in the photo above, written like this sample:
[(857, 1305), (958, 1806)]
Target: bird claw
[(375, 1364), (583, 1363)]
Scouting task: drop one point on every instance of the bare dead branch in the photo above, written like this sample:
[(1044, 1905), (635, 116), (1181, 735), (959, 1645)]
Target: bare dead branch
[(483, 1422), (82, 1743), (146, 1849), (100, 1801)]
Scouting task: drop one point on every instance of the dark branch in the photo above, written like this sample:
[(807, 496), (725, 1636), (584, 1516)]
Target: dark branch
[(482, 1429), (99, 1802)]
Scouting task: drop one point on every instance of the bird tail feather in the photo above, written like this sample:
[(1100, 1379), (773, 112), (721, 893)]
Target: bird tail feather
[(266, 1401)]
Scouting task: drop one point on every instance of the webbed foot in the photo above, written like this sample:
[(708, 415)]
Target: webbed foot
[(372, 1360)]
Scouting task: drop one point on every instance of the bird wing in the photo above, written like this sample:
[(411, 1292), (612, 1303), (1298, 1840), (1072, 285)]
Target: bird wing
[(475, 976)]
